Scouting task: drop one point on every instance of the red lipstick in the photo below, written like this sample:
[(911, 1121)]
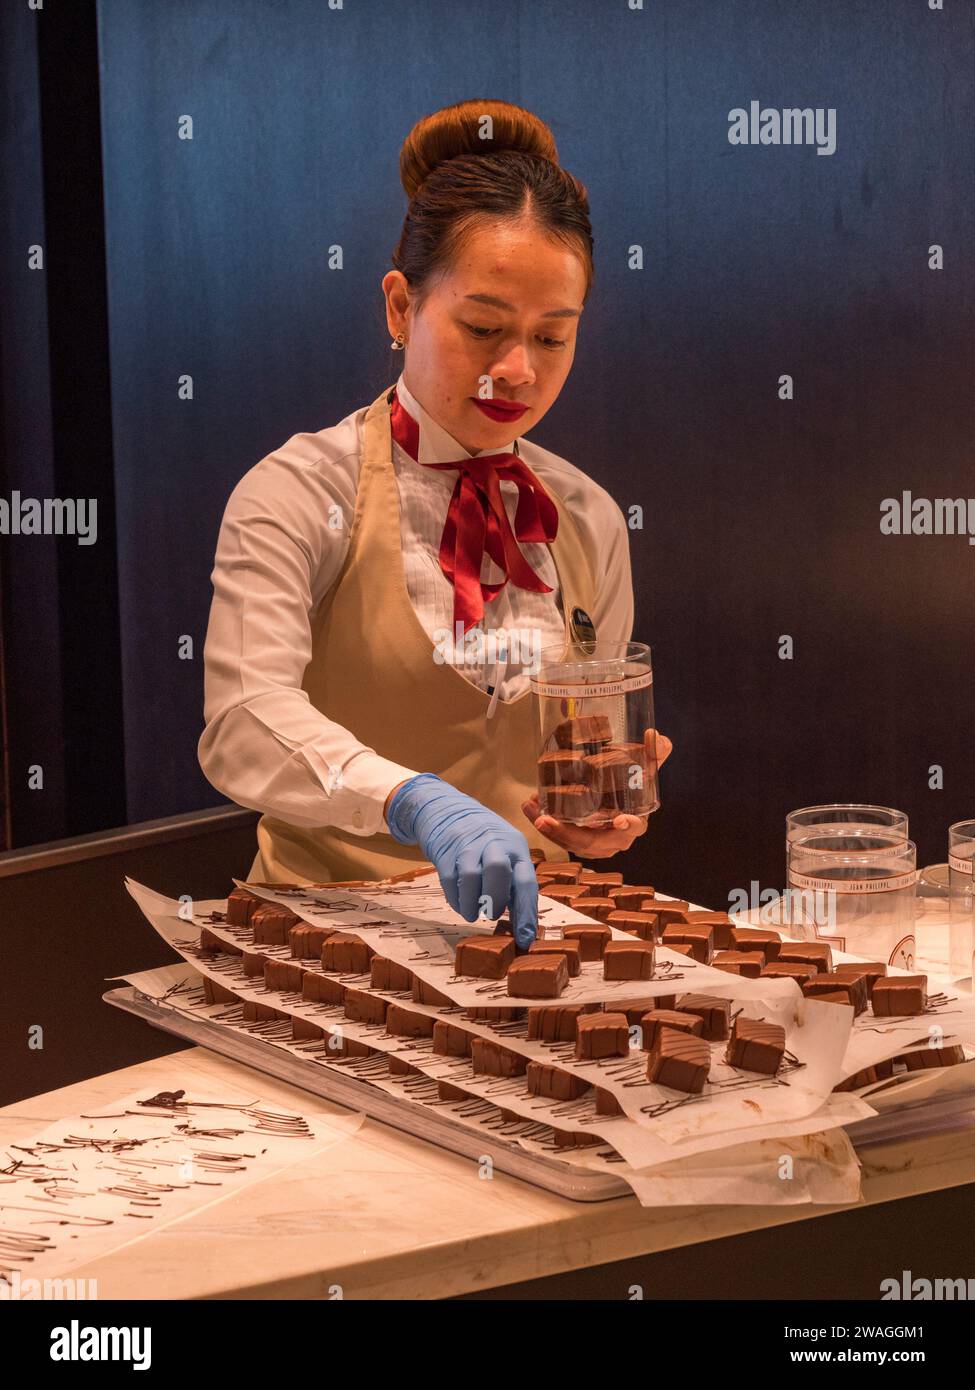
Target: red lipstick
[(504, 412)]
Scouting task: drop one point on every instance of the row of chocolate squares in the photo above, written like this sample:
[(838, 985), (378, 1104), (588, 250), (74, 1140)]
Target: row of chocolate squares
[(676, 1039), (541, 973), (750, 952), (595, 1035)]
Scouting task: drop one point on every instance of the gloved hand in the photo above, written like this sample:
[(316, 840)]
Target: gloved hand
[(476, 853)]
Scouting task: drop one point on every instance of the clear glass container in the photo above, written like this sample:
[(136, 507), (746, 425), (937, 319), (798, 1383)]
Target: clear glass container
[(844, 818), (595, 732), (961, 910), (857, 889)]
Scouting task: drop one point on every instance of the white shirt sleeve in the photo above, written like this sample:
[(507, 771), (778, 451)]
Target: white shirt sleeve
[(265, 746)]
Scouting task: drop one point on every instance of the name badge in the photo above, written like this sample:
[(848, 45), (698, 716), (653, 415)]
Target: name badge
[(582, 627)]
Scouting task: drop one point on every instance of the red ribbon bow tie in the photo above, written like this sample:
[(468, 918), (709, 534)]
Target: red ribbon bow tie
[(477, 521)]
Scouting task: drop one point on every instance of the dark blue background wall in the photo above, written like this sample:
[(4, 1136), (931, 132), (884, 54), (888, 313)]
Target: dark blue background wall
[(761, 515)]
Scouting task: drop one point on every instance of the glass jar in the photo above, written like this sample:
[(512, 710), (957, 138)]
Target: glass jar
[(961, 906), (857, 889), (595, 732)]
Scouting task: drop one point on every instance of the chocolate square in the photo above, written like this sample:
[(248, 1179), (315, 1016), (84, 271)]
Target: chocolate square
[(407, 1023), (485, 957), (632, 897), (398, 1066), (572, 801), (599, 909), (601, 1035), (505, 1014), (715, 1014), (592, 940), (756, 939), (260, 1013), (240, 906), (303, 1030), (700, 939), (854, 987), (560, 766), (720, 924), (271, 924), (361, 1007), (347, 955), (639, 924), (606, 1102), (339, 1044), (679, 1061), (565, 893), (748, 964), (538, 977), (796, 972), (601, 885), (446, 1091), (448, 1039), (423, 993), (575, 1139), (924, 1057), (321, 989), (609, 769), (556, 1022), (870, 970), (306, 941), (655, 1019), (216, 993), (815, 953), (389, 974), (899, 996), (568, 949), (554, 1083), (252, 963), (582, 731), (283, 975), (209, 941), (628, 960), (756, 1046), (491, 1058)]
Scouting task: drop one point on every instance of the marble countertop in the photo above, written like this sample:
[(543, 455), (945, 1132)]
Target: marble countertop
[(383, 1215)]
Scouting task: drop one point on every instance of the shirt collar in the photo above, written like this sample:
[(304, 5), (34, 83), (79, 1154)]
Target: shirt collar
[(436, 445)]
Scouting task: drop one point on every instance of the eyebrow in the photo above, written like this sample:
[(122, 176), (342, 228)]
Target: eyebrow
[(496, 303)]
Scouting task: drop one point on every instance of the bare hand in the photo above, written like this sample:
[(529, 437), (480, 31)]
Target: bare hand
[(595, 842)]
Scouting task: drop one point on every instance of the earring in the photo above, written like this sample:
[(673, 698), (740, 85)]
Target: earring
[(398, 343)]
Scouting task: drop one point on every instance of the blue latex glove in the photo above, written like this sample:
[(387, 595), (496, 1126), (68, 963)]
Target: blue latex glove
[(476, 853)]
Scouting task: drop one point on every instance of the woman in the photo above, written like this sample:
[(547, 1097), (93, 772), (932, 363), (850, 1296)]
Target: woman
[(334, 704)]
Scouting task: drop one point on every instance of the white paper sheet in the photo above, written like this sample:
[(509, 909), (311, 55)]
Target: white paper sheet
[(751, 1105), (126, 1170)]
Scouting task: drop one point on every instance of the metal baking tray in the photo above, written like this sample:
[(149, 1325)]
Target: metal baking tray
[(564, 1179), (950, 1108)]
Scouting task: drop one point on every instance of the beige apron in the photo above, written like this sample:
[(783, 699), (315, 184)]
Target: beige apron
[(372, 669)]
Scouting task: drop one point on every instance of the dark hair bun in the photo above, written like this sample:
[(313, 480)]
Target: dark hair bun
[(461, 129)]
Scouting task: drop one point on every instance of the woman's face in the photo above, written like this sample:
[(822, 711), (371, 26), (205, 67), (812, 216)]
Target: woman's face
[(507, 311)]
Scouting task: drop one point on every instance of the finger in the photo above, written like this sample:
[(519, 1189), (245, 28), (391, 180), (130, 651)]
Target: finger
[(524, 903), (448, 882), (495, 880), (469, 882), (664, 748)]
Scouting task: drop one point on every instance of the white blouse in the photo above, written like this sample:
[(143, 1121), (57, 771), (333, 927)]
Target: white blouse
[(264, 745)]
